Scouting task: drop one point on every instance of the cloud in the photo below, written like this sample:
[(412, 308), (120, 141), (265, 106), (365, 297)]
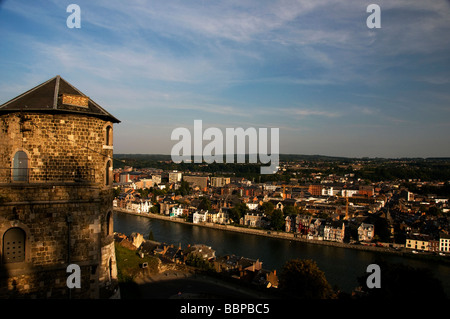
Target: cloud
[(305, 112)]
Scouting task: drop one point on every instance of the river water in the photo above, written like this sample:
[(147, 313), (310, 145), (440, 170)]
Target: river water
[(341, 266)]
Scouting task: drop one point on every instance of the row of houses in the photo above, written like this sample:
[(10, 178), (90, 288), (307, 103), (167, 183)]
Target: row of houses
[(137, 206), (423, 242), (325, 229), (314, 228), (217, 217)]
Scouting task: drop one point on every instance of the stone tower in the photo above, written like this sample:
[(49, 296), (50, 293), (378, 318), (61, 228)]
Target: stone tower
[(56, 150)]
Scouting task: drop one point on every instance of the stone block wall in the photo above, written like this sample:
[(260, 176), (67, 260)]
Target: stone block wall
[(64, 216), (60, 147)]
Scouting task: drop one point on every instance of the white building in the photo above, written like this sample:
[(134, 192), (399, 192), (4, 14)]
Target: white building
[(176, 211), (175, 177), (212, 217), (224, 216), (444, 243), (349, 192), (252, 205), (270, 187), (199, 217), (220, 181), (327, 191), (145, 207), (156, 179), (365, 232), (334, 231), (139, 207)]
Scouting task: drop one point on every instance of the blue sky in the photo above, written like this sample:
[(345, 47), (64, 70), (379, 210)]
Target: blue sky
[(313, 69)]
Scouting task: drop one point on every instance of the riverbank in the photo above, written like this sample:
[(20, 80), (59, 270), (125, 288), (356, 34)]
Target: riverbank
[(399, 251), (271, 234)]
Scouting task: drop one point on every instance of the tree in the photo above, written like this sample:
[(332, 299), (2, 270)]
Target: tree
[(155, 208), (382, 230), (238, 211), (144, 192), (205, 204), (184, 189), (196, 260), (117, 191), (291, 210), (277, 219), (302, 278), (268, 207)]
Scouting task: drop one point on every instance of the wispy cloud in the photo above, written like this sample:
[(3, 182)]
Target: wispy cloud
[(304, 112)]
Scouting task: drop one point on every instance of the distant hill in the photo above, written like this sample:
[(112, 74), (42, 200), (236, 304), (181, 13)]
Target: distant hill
[(291, 157), (374, 169)]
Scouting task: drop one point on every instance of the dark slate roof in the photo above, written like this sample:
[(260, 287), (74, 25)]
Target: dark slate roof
[(47, 97)]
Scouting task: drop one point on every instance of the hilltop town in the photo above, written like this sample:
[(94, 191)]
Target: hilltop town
[(330, 200)]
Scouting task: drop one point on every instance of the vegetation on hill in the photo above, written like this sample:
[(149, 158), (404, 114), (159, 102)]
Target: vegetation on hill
[(371, 169), (129, 267), (302, 278)]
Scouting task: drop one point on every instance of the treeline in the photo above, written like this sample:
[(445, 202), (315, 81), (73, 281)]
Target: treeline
[(425, 171), (428, 189), (374, 170)]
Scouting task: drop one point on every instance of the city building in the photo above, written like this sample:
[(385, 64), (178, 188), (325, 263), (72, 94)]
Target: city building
[(177, 211), (253, 219), (334, 231), (315, 190), (200, 181), (417, 241), (199, 217), (144, 183), (175, 177), (365, 232), (156, 179), (444, 243), (220, 181)]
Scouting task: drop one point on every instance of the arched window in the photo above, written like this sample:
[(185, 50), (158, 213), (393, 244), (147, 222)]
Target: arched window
[(109, 224), (13, 245), (110, 269), (109, 136), (108, 173), (20, 167)]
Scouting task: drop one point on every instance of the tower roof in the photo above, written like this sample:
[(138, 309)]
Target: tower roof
[(56, 96)]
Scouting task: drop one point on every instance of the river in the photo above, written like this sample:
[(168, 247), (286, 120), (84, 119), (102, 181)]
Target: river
[(341, 266)]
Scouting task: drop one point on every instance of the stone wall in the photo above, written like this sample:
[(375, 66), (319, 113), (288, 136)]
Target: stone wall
[(60, 147), (63, 211)]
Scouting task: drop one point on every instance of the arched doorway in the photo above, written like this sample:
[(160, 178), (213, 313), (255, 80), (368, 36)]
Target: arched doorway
[(13, 245)]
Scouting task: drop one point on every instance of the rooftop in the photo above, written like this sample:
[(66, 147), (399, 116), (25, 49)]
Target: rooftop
[(56, 96)]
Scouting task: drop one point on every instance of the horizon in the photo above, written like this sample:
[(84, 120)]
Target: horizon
[(292, 154), (313, 69)]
